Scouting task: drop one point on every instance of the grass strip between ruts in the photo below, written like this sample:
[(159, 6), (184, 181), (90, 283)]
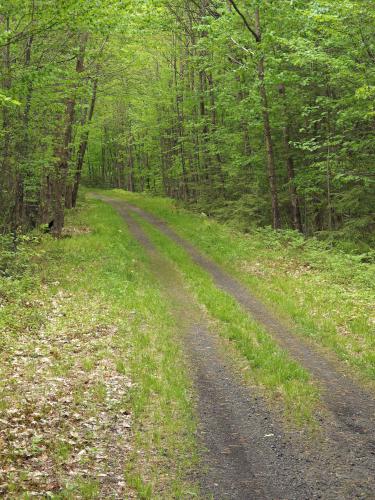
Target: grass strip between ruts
[(270, 366)]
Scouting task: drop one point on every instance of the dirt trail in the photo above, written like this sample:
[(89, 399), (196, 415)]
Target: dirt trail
[(351, 405), (248, 454)]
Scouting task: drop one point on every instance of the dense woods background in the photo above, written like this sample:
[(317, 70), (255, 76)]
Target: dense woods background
[(258, 112)]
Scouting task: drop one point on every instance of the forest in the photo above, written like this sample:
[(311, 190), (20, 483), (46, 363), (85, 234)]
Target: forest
[(261, 113), (187, 260)]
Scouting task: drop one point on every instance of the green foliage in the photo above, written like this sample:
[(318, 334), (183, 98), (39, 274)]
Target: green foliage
[(8, 101), (179, 112), (41, 43), (185, 119), (16, 253)]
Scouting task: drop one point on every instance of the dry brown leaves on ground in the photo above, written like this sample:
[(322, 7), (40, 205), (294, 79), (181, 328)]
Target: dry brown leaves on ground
[(64, 423)]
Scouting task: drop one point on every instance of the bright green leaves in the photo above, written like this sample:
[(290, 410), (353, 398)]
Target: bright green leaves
[(8, 101)]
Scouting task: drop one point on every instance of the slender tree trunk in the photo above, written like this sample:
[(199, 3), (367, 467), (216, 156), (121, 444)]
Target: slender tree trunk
[(202, 54), (330, 132), (21, 210), (267, 132), (63, 153), (329, 194), (6, 169), (83, 144), (162, 167), (131, 170), (180, 123), (218, 172), (271, 169), (294, 201)]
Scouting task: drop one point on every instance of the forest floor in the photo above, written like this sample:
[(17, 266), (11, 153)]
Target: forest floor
[(155, 360), (91, 404)]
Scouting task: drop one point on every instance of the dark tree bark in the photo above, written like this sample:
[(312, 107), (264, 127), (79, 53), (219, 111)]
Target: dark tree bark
[(23, 147), (267, 132), (84, 143), (180, 123), (271, 169), (6, 171), (63, 152), (294, 201)]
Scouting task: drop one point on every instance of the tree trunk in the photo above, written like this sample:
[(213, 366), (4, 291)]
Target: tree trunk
[(83, 144), (63, 153), (21, 210), (131, 170), (294, 201), (217, 173), (69, 196), (180, 123), (267, 132), (6, 170)]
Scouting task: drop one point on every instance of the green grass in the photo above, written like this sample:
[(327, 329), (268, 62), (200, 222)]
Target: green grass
[(269, 366), (107, 312), (325, 294)]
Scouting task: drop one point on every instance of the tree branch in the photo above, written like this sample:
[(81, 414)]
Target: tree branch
[(245, 21)]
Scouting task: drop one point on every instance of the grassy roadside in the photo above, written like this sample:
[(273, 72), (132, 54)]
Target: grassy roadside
[(91, 402), (268, 365), (326, 294)]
